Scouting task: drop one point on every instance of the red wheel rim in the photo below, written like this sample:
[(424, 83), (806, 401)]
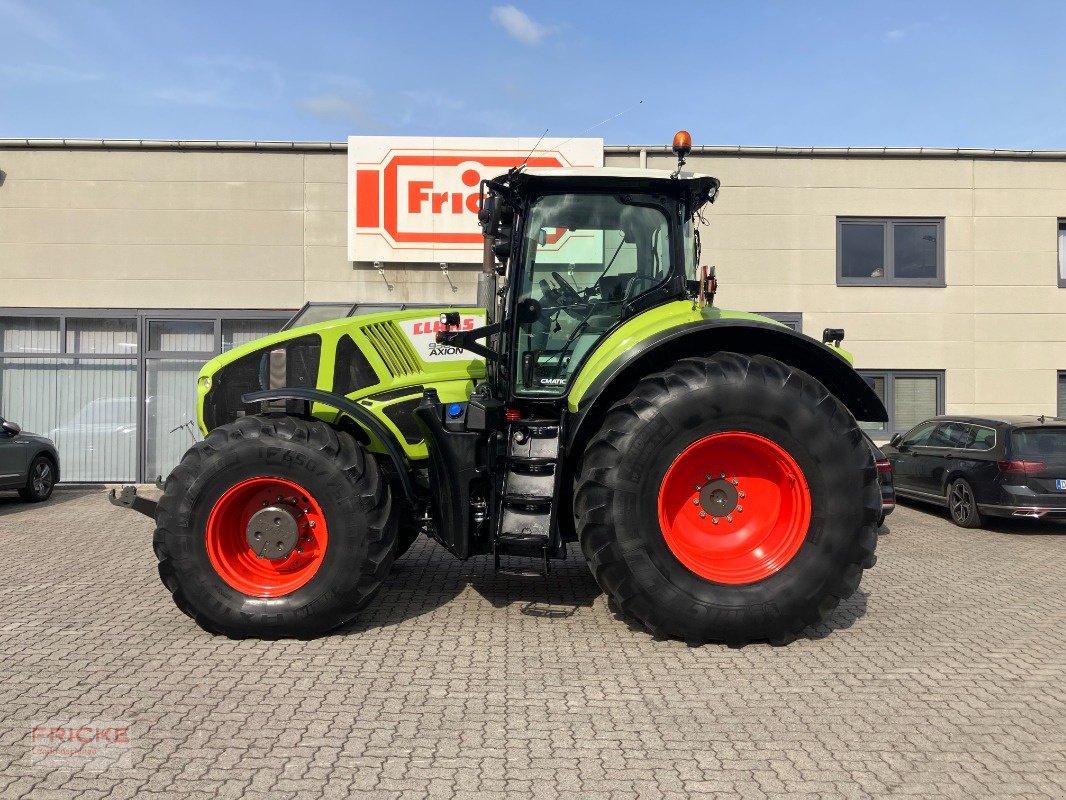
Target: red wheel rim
[(768, 520), (234, 559)]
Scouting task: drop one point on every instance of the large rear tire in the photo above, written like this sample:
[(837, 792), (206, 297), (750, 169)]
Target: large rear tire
[(258, 475), (729, 498)]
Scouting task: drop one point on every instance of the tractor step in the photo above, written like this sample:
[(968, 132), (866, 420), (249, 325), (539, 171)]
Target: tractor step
[(531, 462), (521, 572), (527, 497), (526, 542)]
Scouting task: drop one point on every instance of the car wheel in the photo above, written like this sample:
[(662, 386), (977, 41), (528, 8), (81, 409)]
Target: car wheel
[(963, 505), (41, 481)]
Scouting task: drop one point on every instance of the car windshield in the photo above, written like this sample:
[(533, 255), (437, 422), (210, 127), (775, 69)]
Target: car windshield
[(586, 257), (1040, 444)]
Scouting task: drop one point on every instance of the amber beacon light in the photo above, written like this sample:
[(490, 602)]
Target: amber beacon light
[(682, 147), (682, 144)]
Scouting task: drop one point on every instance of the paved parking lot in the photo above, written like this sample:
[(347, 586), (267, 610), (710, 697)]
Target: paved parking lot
[(942, 677)]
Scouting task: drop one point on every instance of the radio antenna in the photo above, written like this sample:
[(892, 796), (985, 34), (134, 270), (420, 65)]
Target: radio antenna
[(604, 122), (531, 152)]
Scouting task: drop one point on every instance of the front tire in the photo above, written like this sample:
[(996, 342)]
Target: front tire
[(41, 481), (692, 445), (296, 485)]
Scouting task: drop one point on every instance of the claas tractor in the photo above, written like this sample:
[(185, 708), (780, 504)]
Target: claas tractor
[(707, 464)]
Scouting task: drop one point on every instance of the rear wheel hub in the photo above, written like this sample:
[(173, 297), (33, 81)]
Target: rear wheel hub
[(719, 498), (734, 507)]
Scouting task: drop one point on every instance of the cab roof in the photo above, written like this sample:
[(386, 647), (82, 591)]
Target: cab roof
[(592, 177)]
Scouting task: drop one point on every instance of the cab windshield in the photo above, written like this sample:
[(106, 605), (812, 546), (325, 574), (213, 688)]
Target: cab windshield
[(587, 257)]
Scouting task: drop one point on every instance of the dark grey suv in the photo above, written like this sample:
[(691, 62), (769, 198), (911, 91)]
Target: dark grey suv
[(984, 466), (28, 462)]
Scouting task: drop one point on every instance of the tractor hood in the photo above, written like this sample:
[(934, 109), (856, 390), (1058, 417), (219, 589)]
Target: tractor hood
[(373, 358)]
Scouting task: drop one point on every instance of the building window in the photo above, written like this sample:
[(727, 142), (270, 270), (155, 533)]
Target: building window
[(910, 396), (1062, 396), (115, 390), (1062, 253), (899, 251), (794, 320)]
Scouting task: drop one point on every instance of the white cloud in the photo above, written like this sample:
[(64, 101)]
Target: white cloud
[(223, 82), (519, 25), (45, 73), (345, 109), (36, 25), (895, 35)]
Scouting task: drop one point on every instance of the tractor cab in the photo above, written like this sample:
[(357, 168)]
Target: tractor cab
[(581, 252)]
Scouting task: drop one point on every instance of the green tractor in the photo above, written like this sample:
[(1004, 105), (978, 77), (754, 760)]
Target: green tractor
[(706, 463)]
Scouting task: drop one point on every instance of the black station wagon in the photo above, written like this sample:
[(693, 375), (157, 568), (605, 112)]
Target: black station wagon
[(984, 466)]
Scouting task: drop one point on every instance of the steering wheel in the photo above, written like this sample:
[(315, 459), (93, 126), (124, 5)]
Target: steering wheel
[(568, 293)]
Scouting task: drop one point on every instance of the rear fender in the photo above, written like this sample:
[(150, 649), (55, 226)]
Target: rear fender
[(704, 338)]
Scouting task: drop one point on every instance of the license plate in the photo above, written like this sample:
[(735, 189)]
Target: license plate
[(1060, 484)]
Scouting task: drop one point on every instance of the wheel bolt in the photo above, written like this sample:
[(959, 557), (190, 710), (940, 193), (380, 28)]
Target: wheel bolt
[(739, 509), (740, 495), (695, 501), (714, 520), (311, 524), (721, 475), (735, 481), (729, 518), (703, 514)]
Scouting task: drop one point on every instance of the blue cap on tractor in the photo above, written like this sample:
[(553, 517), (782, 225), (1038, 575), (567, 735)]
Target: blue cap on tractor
[(455, 409)]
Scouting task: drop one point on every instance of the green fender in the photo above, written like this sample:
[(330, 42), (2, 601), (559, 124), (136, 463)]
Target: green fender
[(643, 346)]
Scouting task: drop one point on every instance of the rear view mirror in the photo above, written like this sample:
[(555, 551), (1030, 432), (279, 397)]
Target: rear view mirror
[(11, 429), (489, 213)]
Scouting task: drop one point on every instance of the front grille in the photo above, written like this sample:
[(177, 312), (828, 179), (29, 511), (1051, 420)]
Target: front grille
[(250, 373), (393, 348)]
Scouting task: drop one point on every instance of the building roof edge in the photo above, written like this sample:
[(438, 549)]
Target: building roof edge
[(610, 150)]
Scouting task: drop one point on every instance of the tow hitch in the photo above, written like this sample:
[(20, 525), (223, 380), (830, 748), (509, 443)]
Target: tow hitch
[(126, 497)]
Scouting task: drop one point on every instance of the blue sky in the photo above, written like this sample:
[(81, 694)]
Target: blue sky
[(977, 74)]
